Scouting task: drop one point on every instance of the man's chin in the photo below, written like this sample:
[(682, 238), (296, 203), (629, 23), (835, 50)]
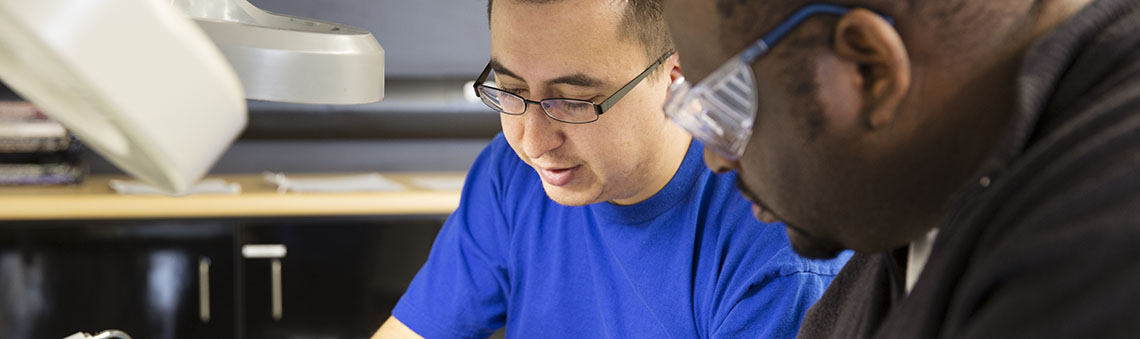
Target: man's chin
[(568, 197), (812, 247)]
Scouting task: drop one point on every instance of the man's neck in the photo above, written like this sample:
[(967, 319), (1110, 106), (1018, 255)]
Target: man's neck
[(1054, 13), (986, 119), (666, 166)]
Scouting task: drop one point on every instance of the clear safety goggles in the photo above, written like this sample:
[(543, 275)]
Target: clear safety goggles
[(719, 111)]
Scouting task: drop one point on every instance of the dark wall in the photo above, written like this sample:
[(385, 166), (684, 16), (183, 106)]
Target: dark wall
[(421, 38)]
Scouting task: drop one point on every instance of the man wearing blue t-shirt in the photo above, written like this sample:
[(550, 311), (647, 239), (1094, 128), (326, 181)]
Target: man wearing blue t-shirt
[(592, 215)]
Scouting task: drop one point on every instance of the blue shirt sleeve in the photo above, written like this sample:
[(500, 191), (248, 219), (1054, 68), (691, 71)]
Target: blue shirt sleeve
[(773, 308), (773, 303), (460, 292)]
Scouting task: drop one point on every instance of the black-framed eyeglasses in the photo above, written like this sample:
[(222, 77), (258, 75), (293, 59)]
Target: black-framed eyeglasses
[(571, 111)]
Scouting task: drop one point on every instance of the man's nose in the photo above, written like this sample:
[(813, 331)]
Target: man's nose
[(541, 134), (718, 163)]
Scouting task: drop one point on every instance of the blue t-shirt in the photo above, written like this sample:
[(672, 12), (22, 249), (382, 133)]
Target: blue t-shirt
[(689, 262)]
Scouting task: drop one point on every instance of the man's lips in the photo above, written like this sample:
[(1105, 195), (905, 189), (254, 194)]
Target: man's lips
[(763, 214), (758, 210), (558, 176)]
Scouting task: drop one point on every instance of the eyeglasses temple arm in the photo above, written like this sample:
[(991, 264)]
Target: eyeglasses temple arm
[(482, 78), (609, 102)]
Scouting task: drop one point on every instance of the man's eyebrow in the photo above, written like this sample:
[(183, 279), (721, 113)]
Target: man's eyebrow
[(577, 79), (500, 70)]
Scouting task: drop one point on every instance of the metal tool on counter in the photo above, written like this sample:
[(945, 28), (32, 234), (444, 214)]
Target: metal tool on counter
[(108, 334)]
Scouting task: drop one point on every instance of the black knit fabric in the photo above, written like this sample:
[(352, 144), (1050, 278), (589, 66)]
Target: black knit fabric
[(1051, 248)]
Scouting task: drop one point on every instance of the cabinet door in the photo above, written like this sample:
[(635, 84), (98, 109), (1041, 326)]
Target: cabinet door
[(337, 279), (151, 280)]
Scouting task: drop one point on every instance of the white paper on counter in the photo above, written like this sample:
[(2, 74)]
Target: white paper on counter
[(439, 184), (208, 186), (370, 182)]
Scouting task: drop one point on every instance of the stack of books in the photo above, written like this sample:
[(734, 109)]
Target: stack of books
[(35, 149)]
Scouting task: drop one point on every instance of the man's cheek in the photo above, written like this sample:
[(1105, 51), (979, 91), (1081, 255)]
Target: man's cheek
[(839, 95)]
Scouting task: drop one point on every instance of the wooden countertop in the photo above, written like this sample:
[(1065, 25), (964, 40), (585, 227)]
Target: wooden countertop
[(94, 199)]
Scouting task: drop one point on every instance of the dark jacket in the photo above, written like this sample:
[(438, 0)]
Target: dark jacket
[(1050, 248)]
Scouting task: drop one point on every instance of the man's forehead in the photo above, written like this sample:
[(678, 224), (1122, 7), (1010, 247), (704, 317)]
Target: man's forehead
[(557, 13), (554, 25), (541, 43)]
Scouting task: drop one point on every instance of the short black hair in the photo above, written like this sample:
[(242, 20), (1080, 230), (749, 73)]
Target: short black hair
[(642, 20), (960, 23)]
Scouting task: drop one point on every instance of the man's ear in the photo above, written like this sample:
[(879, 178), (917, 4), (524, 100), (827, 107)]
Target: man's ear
[(674, 67), (871, 43)]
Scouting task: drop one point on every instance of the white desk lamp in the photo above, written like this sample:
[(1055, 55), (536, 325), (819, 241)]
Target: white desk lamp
[(142, 83)]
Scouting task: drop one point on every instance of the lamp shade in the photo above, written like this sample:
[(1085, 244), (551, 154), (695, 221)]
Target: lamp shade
[(136, 80)]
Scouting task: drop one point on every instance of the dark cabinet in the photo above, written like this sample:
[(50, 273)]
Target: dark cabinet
[(60, 278), (339, 277), (337, 280)]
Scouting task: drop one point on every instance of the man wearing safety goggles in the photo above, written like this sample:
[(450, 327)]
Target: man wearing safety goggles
[(592, 215), (982, 157)]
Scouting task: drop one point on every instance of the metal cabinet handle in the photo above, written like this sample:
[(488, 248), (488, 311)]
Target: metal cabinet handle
[(263, 251), (278, 309), (204, 289), (274, 252)]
